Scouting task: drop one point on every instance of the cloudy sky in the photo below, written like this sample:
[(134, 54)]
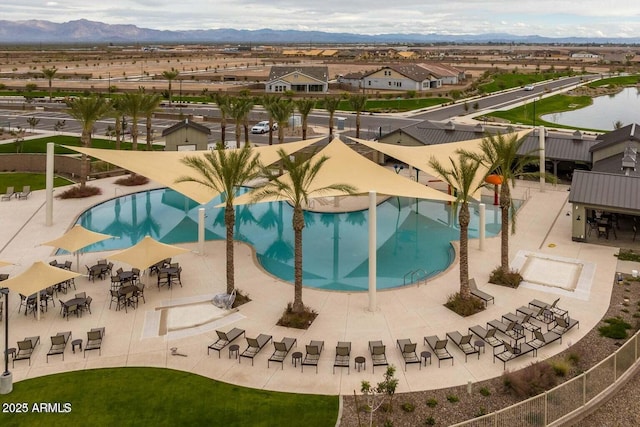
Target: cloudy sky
[(551, 18)]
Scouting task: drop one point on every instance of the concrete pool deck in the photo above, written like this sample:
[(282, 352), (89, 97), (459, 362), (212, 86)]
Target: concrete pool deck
[(410, 312)]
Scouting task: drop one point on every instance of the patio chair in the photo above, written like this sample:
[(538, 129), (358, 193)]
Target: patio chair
[(67, 265), (343, 356), (176, 277), (25, 350), (523, 320), (510, 353), (539, 340), (115, 297), (94, 341), (282, 348), (136, 275), (81, 295), (9, 194), (487, 335), (511, 330), (562, 325), (463, 342), (542, 314), (553, 307), (87, 304), (24, 194), (312, 354), (485, 297), (224, 339), (439, 348), (140, 292), (59, 344), (408, 350), (163, 279), (254, 345), (378, 354)]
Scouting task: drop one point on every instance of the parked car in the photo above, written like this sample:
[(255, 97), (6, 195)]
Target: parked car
[(263, 127)]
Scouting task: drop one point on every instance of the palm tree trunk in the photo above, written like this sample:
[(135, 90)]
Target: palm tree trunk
[(229, 220), (118, 132), (463, 219), (148, 133), (358, 125), (505, 203), (330, 125), (134, 136), (246, 135), (298, 225), (270, 130), (223, 131), (84, 160), (238, 134), (304, 129)]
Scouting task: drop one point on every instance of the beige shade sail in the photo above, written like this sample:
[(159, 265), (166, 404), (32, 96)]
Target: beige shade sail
[(147, 252), (38, 277), (167, 166), (77, 238), (5, 263), (345, 166), (420, 156)]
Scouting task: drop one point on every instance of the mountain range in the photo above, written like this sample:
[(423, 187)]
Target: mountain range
[(85, 31)]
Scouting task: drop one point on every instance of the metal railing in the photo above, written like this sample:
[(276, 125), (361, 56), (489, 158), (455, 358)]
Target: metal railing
[(549, 407), (417, 276)]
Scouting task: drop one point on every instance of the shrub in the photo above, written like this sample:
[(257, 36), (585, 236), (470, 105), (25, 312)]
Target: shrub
[(573, 358), (453, 398), (408, 407), (561, 368), (432, 403), (530, 381), (388, 423), (485, 392), (464, 307), (628, 255), (302, 320), (615, 328), (511, 279), (482, 411), (132, 180), (80, 192), (430, 421)]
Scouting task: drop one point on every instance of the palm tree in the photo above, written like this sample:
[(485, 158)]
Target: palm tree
[(150, 104), (170, 75), (239, 109), (501, 155), (461, 176), (296, 188), (87, 111), (132, 105), (247, 106), (268, 101), (304, 106), (118, 114), (281, 111), (358, 104), (331, 105), (222, 100), (49, 73), (223, 171)]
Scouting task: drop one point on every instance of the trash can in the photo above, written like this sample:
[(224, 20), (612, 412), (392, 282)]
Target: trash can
[(340, 123)]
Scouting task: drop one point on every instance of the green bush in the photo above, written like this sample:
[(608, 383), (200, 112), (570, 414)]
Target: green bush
[(530, 381), (430, 421), (408, 407), (561, 368), (628, 255), (615, 328), (432, 403), (485, 392), (573, 358), (511, 279), (453, 398)]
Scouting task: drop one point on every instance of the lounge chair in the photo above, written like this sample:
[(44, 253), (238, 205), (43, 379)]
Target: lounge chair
[(487, 335), (282, 348), (539, 340), (312, 356), (224, 339), (464, 343), (378, 354), (553, 307), (512, 330), (26, 190), (9, 194), (562, 324), (522, 319), (485, 297), (542, 314), (25, 349), (439, 348), (343, 356), (59, 344), (254, 345), (408, 350), (94, 341), (510, 353)]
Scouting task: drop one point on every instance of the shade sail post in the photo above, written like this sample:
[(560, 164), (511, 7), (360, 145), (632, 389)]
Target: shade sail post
[(372, 251), (481, 227), (201, 231), (542, 158), (49, 185)]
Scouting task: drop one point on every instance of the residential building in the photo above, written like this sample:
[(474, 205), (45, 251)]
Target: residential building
[(312, 79)]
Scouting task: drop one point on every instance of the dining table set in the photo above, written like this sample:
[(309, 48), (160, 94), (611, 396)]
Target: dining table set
[(76, 305)]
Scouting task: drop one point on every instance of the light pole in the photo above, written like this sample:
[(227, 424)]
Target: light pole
[(6, 380)]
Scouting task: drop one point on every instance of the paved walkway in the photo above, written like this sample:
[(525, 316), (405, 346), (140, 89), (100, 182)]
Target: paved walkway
[(412, 312)]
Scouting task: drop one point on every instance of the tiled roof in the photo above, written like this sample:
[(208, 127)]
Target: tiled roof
[(605, 189), (318, 73), (627, 133), (184, 124)]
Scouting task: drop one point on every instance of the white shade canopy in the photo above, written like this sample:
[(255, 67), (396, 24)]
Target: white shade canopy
[(77, 238), (147, 252), (38, 277)]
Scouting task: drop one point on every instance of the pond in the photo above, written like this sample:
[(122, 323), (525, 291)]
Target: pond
[(603, 113)]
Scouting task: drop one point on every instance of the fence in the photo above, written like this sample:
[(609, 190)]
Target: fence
[(561, 401)]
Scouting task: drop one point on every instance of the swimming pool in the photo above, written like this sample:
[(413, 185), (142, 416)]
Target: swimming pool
[(412, 235)]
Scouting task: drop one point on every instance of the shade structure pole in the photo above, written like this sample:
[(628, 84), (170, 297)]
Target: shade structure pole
[(372, 251), (6, 379), (201, 231), (49, 185), (542, 159), (481, 227)]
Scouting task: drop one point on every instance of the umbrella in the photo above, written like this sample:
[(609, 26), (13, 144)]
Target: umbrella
[(75, 239), (37, 277), (146, 252)]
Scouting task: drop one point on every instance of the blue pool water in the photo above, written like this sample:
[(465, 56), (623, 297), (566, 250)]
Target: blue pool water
[(412, 235)]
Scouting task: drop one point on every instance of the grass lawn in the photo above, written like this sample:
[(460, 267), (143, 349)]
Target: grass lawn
[(161, 397), (553, 104), (40, 145), (502, 81), (17, 180), (617, 81)]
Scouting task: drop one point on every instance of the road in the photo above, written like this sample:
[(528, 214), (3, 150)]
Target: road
[(371, 124)]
